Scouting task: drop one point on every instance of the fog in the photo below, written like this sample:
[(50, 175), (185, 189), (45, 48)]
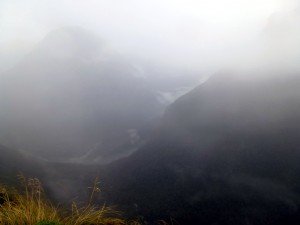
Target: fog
[(88, 80), (182, 106), (206, 35)]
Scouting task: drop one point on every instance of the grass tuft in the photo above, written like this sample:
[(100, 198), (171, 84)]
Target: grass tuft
[(30, 207)]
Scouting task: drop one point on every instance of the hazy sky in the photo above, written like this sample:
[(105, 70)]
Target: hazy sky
[(193, 33)]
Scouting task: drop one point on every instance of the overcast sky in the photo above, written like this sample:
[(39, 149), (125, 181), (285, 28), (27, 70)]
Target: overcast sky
[(193, 33)]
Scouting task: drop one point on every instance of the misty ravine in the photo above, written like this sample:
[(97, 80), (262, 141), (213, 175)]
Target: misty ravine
[(150, 112)]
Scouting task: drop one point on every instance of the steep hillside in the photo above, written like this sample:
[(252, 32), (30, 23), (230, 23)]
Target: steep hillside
[(73, 96), (225, 153), (14, 163)]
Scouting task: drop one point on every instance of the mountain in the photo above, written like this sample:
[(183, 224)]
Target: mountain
[(62, 182), (75, 97), (14, 163), (225, 153)]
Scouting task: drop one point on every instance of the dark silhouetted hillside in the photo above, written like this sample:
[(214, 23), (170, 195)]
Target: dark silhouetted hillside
[(225, 153)]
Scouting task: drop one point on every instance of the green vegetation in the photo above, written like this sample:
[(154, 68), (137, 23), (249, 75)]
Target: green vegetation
[(29, 207)]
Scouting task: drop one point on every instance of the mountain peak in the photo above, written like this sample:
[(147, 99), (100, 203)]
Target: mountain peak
[(72, 41)]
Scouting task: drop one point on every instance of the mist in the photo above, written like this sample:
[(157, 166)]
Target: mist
[(200, 35), (186, 110)]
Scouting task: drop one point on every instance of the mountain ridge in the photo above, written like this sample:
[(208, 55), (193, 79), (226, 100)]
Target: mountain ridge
[(225, 153)]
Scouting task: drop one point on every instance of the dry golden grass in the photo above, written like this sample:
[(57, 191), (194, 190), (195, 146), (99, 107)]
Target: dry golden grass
[(31, 208)]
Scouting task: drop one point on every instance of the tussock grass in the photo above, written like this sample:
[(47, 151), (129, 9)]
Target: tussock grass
[(30, 207)]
